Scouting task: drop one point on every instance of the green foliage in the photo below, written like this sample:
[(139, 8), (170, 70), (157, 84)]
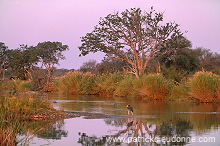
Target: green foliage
[(153, 86), (87, 84), (16, 86), (50, 52), (22, 60), (205, 86), (68, 83), (180, 92), (90, 66), (125, 87), (111, 65), (174, 74), (13, 107), (3, 58), (130, 36), (109, 82)]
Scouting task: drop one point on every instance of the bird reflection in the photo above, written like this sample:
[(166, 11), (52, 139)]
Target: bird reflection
[(130, 124)]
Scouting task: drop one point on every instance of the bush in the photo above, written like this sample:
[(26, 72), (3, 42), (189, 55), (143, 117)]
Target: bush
[(67, 83), (179, 92), (108, 83), (153, 86), (13, 107), (76, 83), (17, 85), (125, 87), (205, 86), (87, 85)]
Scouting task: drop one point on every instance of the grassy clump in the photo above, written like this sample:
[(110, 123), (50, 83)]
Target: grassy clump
[(125, 87), (108, 83), (68, 83), (153, 86), (205, 86), (76, 83), (180, 92), (87, 84), (12, 108), (16, 85)]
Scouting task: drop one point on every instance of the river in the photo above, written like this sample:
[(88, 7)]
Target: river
[(153, 123)]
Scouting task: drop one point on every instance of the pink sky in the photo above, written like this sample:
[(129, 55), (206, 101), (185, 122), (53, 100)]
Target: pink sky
[(33, 21)]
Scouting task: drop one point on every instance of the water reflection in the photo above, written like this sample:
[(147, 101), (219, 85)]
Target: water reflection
[(151, 119), (41, 129), (134, 128)]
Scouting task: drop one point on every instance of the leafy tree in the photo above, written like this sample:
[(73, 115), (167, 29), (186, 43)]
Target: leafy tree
[(208, 60), (50, 53), (133, 36), (23, 60), (90, 66), (3, 58), (109, 65), (182, 59)]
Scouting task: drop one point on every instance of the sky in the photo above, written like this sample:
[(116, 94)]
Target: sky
[(32, 21)]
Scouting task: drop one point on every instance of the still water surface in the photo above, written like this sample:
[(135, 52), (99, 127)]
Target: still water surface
[(151, 119)]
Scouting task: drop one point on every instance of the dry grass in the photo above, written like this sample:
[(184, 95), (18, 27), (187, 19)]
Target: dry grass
[(205, 86)]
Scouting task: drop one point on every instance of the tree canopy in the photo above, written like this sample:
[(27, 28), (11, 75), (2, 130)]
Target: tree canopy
[(133, 36)]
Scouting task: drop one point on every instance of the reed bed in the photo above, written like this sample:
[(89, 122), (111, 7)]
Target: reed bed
[(202, 86), (12, 109), (205, 87)]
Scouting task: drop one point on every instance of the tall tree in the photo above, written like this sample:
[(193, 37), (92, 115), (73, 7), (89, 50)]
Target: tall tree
[(133, 36), (50, 53), (22, 60), (208, 60), (89, 66), (3, 58), (109, 65)]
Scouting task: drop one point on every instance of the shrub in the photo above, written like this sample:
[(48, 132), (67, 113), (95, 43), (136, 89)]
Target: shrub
[(108, 82), (205, 86), (87, 85), (76, 83), (125, 87), (68, 83), (17, 85), (179, 92), (153, 86)]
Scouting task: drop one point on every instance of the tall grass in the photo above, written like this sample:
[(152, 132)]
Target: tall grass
[(180, 92), (16, 85), (205, 87), (68, 83), (153, 86), (12, 108), (75, 83), (87, 83), (125, 87), (108, 83)]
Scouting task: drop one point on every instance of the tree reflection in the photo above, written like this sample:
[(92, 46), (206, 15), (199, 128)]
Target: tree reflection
[(134, 128), (46, 129), (93, 140), (54, 131)]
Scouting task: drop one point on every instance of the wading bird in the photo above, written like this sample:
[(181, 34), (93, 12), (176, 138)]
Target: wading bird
[(130, 109)]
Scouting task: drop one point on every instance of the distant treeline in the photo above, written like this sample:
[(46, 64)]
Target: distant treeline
[(27, 62), (184, 61)]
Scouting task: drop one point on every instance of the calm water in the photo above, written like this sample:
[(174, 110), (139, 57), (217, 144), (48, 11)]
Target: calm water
[(152, 119)]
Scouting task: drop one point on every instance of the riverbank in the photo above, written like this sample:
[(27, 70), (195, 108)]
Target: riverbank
[(200, 87)]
